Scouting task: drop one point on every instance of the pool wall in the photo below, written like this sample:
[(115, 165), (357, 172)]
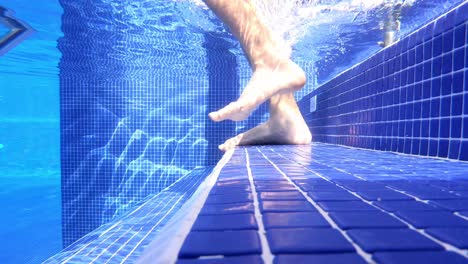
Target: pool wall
[(134, 104), (411, 97)]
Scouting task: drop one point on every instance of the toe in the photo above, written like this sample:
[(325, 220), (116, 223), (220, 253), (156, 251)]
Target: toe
[(233, 111), (231, 143)]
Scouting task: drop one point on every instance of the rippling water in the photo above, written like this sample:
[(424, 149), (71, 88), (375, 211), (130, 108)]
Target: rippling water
[(333, 34)]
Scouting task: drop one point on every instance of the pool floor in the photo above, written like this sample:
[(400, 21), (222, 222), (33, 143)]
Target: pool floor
[(325, 203)]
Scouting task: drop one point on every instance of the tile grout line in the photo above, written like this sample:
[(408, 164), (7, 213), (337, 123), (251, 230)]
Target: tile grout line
[(446, 246), (175, 232), (366, 256), (267, 256), (151, 230), (96, 247), (434, 158), (131, 230)]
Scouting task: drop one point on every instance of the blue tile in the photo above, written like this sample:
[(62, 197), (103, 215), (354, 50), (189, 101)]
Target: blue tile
[(428, 193), (285, 196), (465, 105), (452, 205), (435, 87), (447, 63), (454, 150), (457, 83), (435, 112), (446, 87), (360, 185), (349, 258), (456, 127), (451, 184), (423, 148), (437, 46), (448, 41), (457, 237), (294, 219), (461, 14), (220, 243), (383, 195), (427, 50), (466, 57), (275, 188), (434, 127), (444, 126), (231, 208), (443, 150), (319, 187), (425, 219), (426, 257), (393, 206), (365, 219), (332, 196), (419, 53), (449, 22), (331, 206), (230, 189), (225, 222), (411, 57), (251, 259), (307, 240), (372, 240), (286, 206), (229, 198)]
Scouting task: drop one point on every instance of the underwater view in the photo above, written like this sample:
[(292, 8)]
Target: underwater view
[(104, 107)]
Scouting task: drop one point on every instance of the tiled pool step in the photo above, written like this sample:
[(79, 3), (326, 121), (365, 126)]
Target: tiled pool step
[(330, 204)]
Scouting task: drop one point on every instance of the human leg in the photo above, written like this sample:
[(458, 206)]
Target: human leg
[(285, 126), (273, 71)]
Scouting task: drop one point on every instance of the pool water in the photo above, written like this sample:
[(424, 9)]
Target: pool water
[(104, 107)]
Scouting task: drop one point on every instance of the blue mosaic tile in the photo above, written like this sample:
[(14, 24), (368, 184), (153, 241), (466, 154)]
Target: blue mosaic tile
[(356, 186), (461, 14), (365, 219), (383, 195), (307, 240), (452, 205), (427, 193), (251, 259), (429, 65), (225, 222), (220, 243), (230, 189), (393, 206), (329, 187), (229, 198), (285, 206), (372, 240), (332, 196), (349, 258), (426, 257), (425, 219), (294, 219), (452, 235), (231, 208), (275, 188), (341, 206), (285, 196)]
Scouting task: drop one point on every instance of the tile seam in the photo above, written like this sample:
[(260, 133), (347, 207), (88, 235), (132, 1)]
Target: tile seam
[(267, 256), (446, 246), (366, 256), (181, 223)]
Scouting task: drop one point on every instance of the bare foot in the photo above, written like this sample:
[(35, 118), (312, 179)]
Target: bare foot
[(285, 77), (285, 126)]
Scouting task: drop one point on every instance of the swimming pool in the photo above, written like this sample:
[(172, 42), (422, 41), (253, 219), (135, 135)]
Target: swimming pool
[(105, 106)]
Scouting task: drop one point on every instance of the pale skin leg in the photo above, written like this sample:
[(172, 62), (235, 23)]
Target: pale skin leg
[(275, 77), (285, 126)]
